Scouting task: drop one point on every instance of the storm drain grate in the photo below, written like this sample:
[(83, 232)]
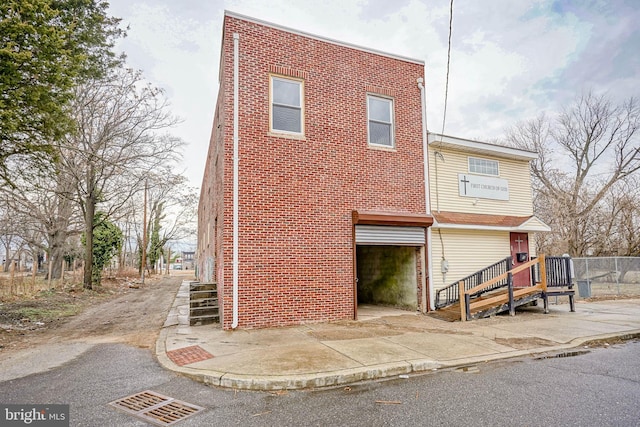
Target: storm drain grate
[(155, 408), (469, 369), (563, 354)]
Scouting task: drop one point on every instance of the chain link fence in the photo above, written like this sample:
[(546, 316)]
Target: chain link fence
[(607, 276)]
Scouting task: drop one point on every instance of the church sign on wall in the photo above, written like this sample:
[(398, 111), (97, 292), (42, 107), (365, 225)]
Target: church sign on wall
[(483, 187)]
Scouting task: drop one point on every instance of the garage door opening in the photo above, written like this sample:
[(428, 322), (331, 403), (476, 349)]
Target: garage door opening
[(390, 260), (387, 275)]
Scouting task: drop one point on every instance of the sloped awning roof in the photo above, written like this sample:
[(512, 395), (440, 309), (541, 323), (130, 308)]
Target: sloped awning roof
[(391, 218), (470, 221)]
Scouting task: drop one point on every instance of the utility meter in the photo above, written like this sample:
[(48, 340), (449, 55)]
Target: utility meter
[(444, 266)]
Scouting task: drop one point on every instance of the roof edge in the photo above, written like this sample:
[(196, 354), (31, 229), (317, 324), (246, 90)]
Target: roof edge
[(499, 150), (321, 38), (390, 218), (489, 228), (526, 226), (542, 227)]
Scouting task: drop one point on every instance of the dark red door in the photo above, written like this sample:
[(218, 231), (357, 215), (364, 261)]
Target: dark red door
[(520, 254)]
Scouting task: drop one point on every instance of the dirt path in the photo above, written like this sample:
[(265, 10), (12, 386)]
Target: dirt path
[(133, 316)]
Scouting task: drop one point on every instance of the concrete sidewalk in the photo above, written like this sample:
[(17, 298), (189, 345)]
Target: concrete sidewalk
[(384, 343)]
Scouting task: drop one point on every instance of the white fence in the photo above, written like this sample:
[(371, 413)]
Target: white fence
[(607, 276)]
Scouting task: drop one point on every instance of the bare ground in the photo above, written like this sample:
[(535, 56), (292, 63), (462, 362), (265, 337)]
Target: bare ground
[(134, 315), (118, 312)]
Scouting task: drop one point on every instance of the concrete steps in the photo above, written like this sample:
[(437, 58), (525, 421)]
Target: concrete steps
[(203, 303)]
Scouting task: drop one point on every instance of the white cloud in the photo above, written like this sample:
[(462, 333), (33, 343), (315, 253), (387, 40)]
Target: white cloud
[(178, 54), (510, 59)]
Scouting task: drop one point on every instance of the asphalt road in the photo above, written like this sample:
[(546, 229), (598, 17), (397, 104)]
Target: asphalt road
[(595, 389)]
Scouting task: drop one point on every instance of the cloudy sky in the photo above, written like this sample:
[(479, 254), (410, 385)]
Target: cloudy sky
[(510, 60)]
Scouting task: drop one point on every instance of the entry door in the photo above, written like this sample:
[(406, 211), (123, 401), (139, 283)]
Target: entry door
[(520, 255)]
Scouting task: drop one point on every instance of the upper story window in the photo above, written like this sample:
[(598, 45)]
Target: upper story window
[(380, 117), (286, 105), (483, 166)]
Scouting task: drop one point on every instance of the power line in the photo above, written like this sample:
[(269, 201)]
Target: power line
[(444, 118), (446, 87)]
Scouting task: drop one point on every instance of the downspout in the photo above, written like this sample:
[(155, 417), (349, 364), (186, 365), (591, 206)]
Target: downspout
[(236, 67), (427, 198)]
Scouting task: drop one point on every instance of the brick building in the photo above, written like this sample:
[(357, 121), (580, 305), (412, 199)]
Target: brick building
[(313, 199)]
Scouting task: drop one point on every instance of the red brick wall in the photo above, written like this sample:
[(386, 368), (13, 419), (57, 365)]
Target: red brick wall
[(296, 196)]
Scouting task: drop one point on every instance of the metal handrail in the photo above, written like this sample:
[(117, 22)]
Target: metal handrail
[(451, 294)]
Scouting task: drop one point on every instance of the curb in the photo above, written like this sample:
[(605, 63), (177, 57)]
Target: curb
[(355, 375)]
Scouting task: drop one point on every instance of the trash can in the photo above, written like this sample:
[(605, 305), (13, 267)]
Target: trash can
[(584, 288)]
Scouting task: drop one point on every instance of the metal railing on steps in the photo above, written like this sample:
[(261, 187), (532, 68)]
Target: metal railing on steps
[(483, 293), (451, 294)]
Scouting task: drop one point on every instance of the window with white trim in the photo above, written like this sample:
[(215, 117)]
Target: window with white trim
[(380, 118), (286, 105), (483, 166)]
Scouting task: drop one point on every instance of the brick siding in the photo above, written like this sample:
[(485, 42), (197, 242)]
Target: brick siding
[(297, 194)]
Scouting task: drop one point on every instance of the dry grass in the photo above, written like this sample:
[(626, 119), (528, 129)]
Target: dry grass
[(24, 285)]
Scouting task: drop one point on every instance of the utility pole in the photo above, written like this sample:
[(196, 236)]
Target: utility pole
[(168, 259), (143, 261)]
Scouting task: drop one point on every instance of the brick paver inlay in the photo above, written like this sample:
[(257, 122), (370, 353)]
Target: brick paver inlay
[(187, 355)]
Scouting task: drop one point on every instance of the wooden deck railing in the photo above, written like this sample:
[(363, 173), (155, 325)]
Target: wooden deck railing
[(466, 306)]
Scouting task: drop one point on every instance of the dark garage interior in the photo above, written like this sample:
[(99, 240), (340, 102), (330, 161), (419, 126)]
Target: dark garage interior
[(387, 276)]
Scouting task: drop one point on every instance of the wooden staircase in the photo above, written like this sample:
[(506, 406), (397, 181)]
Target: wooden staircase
[(203, 303)]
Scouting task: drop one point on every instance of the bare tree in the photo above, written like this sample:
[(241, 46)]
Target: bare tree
[(9, 236), (175, 203), (583, 153), (42, 213), (120, 139), (171, 214), (620, 235)]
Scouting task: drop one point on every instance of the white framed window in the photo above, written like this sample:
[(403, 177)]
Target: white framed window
[(380, 121), (286, 106), (483, 166)]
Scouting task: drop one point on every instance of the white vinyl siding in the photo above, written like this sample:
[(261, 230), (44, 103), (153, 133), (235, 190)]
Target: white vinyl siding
[(448, 199), (533, 252), (380, 121), (467, 251)]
